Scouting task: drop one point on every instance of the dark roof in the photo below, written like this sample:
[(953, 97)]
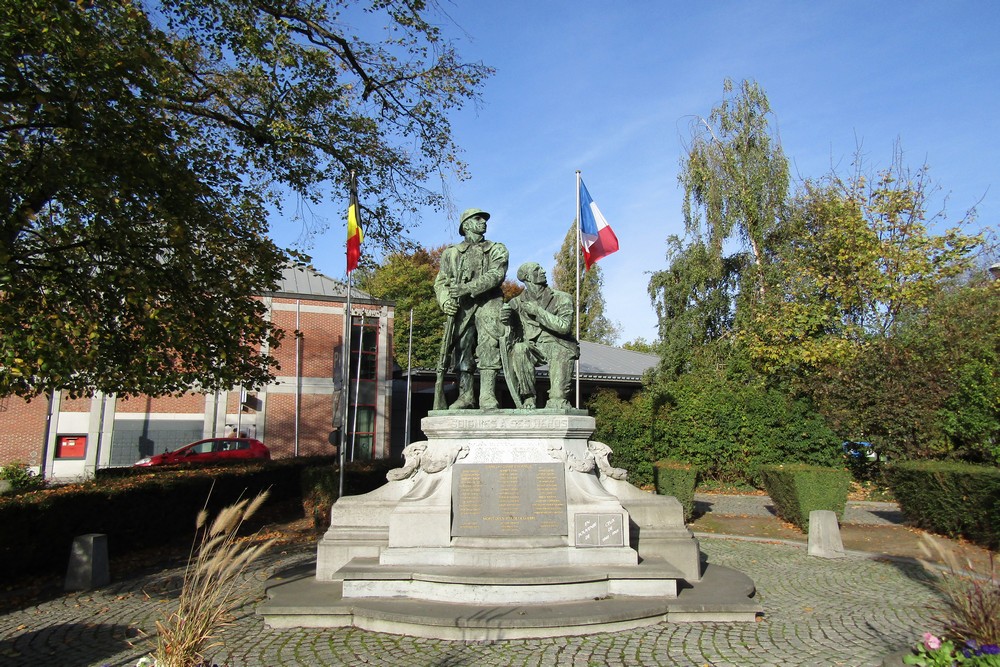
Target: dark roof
[(607, 362), (302, 281), (597, 362)]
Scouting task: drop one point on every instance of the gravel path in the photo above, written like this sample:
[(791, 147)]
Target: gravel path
[(859, 512)]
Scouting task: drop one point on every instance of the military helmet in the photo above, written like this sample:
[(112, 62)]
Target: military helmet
[(470, 213)]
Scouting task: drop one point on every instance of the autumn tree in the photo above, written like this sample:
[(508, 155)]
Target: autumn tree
[(856, 258), (595, 327), (143, 145)]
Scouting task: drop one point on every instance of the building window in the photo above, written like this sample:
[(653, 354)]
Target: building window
[(363, 389)]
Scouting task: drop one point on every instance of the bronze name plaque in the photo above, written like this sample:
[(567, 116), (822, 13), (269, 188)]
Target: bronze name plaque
[(508, 500)]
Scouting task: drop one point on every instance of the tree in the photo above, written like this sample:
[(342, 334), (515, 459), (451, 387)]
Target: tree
[(142, 146), (735, 181), (856, 259), (594, 324), (408, 279), (694, 301), (735, 178)]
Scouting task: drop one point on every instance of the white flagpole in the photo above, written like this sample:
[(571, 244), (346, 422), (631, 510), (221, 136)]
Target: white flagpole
[(576, 261), (346, 384), (409, 381), (357, 385)]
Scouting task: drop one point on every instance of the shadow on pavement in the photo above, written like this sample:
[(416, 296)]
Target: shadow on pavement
[(68, 644)]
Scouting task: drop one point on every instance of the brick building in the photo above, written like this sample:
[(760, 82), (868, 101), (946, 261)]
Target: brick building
[(298, 414)]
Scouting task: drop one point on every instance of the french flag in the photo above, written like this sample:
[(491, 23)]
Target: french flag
[(596, 236)]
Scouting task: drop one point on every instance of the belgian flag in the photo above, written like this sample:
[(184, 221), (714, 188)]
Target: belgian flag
[(355, 235)]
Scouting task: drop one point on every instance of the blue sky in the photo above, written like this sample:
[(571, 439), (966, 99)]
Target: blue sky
[(610, 88)]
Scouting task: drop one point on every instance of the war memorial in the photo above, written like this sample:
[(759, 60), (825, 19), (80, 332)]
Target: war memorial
[(506, 523)]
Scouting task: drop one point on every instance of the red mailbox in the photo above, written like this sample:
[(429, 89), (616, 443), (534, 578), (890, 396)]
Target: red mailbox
[(71, 447)]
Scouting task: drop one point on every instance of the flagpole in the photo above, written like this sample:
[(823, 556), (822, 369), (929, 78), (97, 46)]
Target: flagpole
[(409, 383), (346, 361), (357, 385), (576, 261), (346, 384)]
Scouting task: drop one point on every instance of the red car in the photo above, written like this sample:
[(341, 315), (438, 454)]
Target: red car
[(211, 450)]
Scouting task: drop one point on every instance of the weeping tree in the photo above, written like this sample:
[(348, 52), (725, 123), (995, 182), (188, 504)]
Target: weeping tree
[(735, 182), (144, 145)]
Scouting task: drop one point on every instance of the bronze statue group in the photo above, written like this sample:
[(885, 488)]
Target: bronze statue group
[(482, 332)]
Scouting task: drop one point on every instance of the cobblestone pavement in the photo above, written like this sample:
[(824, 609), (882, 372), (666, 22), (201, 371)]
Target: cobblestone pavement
[(851, 611)]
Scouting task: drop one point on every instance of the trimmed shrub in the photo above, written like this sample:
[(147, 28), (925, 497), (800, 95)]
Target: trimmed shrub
[(677, 479), (949, 498), (797, 489)]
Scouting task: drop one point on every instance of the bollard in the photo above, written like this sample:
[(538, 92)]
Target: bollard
[(824, 535), (88, 563)]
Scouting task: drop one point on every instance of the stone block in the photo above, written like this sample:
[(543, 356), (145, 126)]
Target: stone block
[(88, 563), (824, 535)]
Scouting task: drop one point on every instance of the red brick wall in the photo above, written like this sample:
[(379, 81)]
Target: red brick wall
[(22, 431), (321, 335), (315, 423)]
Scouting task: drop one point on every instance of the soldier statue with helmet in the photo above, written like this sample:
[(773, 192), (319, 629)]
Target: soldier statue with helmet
[(468, 290)]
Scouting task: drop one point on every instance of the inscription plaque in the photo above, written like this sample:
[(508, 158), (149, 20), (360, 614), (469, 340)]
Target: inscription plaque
[(508, 499), (599, 530)]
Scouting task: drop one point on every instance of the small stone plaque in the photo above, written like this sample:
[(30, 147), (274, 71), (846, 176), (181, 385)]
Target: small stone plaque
[(599, 530), (508, 500)]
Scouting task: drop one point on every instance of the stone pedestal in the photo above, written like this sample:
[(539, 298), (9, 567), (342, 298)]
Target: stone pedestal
[(508, 524), (507, 492)]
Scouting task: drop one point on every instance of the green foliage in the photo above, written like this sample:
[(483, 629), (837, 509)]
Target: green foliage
[(140, 158), (798, 489), (729, 423), (931, 390), (735, 179), (693, 299), (673, 478), (854, 259), (627, 427), (954, 499), (408, 279), (21, 477), (595, 327), (640, 344)]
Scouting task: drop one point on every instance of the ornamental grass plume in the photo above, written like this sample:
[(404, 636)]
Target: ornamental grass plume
[(213, 585), (971, 609)]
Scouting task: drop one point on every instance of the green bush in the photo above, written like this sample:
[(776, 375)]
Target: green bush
[(729, 424), (627, 428), (21, 477), (949, 498), (677, 479), (798, 489)]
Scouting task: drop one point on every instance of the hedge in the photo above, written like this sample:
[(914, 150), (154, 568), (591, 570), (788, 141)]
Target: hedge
[(949, 498), (797, 489), (677, 479), (139, 508)]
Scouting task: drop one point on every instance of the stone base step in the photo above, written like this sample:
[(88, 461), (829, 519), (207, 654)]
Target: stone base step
[(297, 599), (367, 578)]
